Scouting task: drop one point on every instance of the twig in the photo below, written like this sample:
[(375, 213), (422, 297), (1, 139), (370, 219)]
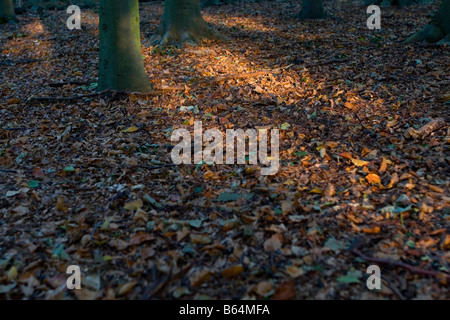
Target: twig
[(21, 61), (60, 84), (157, 167), (394, 289), (403, 265), (8, 170)]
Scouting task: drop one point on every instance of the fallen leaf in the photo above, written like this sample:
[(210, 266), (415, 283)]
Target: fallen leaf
[(286, 291), (232, 272)]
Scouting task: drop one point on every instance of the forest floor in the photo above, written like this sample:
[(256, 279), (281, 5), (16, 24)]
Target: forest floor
[(359, 183)]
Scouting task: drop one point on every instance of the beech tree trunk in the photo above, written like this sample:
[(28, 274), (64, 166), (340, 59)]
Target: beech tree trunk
[(7, 11), (439, 28), (121, 64), (182, 22), (388, 3), (312, 9)]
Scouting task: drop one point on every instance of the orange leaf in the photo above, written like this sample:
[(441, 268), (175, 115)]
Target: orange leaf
[(371, 230), (346, 155), (373, 178)]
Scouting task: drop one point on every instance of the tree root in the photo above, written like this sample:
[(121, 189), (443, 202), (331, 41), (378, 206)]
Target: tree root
[(178, 38), (431, 33)]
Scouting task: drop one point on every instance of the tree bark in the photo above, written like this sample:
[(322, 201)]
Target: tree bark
[(312, 9), (182, 22), (439, 28), (7, 11), (388, 3), (121, 64)]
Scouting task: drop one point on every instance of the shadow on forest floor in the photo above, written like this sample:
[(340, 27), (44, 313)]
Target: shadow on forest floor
[(76, 189)]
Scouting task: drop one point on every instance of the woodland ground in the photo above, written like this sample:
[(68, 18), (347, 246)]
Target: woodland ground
[(76, 189)]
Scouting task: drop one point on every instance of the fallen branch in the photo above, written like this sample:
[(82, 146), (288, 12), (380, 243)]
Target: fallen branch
[(90, 95), (440, 275), (426, 129)]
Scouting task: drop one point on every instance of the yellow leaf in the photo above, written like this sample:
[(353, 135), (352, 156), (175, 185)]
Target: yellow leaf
[(295, 272), (12, 273), (13, 101), (126, 288), (359, 163), (208, 175), (132, 97), (131, 129), (315, 190), (232, 272), (134, 205), (60, 205)]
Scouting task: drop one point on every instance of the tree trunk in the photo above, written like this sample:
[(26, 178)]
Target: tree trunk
[(439, 28), (312, 9), (121, 63), (7, 11), (182, 22), (388, 3)]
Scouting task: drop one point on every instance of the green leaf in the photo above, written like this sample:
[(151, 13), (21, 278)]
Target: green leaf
[(69, 169), (33, 184), (285, 126), (411, 244), (195, 223), (300, 154), (350, 277)]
